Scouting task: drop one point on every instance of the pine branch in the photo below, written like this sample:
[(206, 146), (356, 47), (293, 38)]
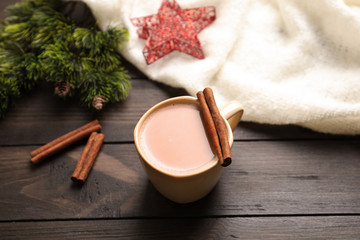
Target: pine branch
[(112, 86), (39, 43), (19, 65), (8, 91)]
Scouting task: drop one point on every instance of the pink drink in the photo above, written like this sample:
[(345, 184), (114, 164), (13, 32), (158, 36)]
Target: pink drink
[(173, 138)]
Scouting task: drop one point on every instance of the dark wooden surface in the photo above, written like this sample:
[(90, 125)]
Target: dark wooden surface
[(285, 182)]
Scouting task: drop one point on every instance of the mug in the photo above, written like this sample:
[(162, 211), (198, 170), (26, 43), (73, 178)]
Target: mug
[(187, 187)]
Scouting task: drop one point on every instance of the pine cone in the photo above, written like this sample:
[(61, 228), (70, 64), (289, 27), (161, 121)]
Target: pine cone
[(62, 88), (98, 102)]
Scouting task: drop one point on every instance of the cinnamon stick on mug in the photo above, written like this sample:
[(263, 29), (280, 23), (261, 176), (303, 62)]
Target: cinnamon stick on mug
[(221, 133), (64, 141), (210, 126)]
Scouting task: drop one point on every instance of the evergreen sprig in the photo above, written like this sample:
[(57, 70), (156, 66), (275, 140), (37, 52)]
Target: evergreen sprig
[(39, 43)]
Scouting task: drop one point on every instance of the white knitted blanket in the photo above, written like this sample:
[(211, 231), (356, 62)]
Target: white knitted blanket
[(286, 61)]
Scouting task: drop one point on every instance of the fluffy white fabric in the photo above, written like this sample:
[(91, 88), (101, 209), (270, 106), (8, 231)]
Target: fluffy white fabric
[(286, 61)]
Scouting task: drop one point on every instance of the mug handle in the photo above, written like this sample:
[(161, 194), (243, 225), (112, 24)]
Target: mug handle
[(232, 112)]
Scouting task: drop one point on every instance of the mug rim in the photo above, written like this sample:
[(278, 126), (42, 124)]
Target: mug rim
[(211, 164)]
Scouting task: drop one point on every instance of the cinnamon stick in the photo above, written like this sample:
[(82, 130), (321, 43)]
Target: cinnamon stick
[(83, 156), (64, 141), (220, 126), (210, 126), (88, 156), (62, 138)]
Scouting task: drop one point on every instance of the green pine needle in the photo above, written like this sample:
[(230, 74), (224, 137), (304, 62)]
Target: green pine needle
[(38, 43)]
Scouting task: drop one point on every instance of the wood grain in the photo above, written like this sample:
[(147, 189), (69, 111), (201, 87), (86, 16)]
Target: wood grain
[(265, 178), (39, 117), (324, 227)]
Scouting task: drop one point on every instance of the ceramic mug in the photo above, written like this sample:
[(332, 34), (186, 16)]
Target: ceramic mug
[(188, 187)]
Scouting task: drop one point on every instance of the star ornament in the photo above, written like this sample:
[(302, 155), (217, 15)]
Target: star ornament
[(173, 28)]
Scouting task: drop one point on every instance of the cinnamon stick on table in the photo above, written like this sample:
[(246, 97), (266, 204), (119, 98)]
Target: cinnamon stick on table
[(221, 132), (88, 157), (64, 141)]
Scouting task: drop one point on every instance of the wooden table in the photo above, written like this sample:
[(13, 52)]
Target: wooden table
[(285, 182)]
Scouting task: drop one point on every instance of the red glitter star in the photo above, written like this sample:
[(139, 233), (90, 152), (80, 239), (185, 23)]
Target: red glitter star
[(173, 28)]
